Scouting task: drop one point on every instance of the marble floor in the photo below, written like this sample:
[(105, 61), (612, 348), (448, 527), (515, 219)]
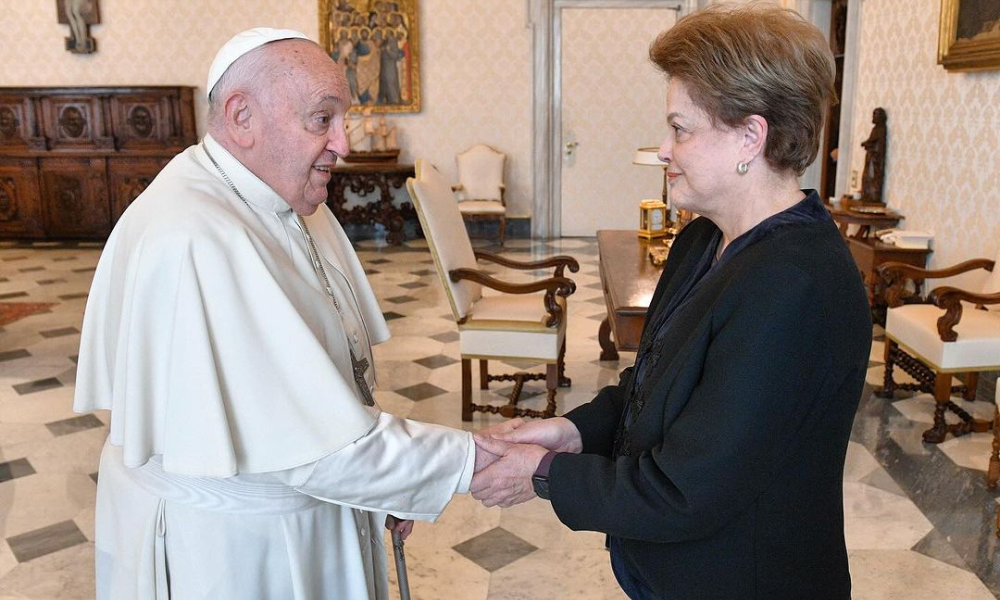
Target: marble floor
[(919, 517)]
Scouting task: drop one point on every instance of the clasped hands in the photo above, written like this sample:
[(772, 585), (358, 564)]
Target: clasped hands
[(508, 454)]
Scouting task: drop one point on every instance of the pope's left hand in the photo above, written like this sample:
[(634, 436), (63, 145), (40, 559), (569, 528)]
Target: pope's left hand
[(403, 526), (507, 481)]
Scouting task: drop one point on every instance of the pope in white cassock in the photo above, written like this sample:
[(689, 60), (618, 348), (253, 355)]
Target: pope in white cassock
[(229, 332)]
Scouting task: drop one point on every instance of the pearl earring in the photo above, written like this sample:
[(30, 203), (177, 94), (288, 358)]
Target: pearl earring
[(742, 168)]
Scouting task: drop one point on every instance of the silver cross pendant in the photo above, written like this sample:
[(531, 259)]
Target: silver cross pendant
[(359, 367)]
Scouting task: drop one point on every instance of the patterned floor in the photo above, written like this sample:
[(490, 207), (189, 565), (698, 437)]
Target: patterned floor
[(918, 517)]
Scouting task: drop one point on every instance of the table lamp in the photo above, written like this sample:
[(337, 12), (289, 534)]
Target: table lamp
[(654, 215)]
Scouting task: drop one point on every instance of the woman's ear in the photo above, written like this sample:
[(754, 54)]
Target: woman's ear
[(754, 136), (239, 119)]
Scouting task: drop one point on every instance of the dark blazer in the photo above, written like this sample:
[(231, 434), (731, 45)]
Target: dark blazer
[(731, 482)]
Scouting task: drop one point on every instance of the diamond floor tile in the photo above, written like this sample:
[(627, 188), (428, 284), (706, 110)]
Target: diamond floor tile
[(495, 549)]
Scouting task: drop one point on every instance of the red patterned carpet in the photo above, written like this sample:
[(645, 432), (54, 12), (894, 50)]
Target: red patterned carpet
[(13, 311)]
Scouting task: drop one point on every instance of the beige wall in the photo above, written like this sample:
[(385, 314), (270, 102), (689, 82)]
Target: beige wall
[(943, 170), (475, 64), (476, 69)]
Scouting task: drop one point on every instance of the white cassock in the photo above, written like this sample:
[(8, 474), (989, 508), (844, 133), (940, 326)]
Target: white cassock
[(242, 462)]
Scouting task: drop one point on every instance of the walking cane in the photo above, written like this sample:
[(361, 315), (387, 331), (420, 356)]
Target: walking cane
[(397, 550)]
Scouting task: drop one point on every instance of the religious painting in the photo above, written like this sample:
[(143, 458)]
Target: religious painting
[(969, 37), (376, 41), (79, 15)]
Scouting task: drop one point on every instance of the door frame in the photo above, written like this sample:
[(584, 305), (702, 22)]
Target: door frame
[(546, 21)]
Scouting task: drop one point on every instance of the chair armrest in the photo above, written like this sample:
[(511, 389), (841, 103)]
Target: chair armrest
[(950, 299), (918, 273), (895, 276), (552, 286), (559, 262)]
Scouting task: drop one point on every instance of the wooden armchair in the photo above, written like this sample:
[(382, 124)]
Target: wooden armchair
[(523, 321), (953, 331)]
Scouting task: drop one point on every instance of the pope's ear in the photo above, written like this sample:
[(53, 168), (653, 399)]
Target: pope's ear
[(239, 119)]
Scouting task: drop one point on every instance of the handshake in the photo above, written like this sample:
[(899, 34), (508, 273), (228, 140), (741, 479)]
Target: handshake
[(508, 453)]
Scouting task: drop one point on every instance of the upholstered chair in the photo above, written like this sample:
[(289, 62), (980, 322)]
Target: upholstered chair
[(516, 321), (951, 332), (480, 188)]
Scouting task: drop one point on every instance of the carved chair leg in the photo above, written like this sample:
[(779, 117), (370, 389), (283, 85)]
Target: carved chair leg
[(503, 229), (888, 384), (484, 375), (466, 389), (551, 385), (993, 474), (563, 380), (971, 380), (942, 396)]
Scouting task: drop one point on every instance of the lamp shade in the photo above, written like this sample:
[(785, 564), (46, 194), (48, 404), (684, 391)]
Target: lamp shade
[(647, 156)]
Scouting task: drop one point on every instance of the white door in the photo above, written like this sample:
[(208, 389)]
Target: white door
[(610, 100)]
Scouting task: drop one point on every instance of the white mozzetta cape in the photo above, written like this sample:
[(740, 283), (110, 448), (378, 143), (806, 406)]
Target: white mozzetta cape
[(209, 341)]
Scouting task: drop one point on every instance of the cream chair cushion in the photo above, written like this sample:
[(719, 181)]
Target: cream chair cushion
[(914, 327), (445, 232), (480, 171), (512, 326)]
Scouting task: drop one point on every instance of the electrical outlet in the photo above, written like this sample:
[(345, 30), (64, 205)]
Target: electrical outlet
[(854, 179)]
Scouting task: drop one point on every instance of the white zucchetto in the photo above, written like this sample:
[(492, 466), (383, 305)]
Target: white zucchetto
[(244, 42)]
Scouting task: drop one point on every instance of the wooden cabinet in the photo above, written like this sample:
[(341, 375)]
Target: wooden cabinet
[(72, 159), (20, 211)]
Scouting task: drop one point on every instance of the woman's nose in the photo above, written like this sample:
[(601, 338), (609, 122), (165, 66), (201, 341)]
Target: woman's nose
[(664, 152)]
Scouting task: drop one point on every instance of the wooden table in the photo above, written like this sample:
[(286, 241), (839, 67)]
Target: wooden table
[(628, 280), (869, 253), (849, 212), (364, 179)]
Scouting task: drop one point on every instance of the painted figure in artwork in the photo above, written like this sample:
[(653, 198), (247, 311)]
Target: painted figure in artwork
[(388, 75), (372, 40)]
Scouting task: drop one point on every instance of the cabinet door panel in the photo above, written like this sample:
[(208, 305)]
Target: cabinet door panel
[(128, 177), (75, 122), (20, 206), (75, 198)]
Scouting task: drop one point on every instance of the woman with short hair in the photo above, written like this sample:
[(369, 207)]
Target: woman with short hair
[(716, 463)]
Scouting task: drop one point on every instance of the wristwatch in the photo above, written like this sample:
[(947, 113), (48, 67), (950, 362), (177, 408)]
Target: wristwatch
[(541, 485)]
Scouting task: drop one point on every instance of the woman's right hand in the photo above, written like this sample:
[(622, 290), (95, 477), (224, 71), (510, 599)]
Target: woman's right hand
[(558, 434)]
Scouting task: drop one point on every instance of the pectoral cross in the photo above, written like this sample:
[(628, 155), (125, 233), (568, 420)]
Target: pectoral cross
[(359, 367)]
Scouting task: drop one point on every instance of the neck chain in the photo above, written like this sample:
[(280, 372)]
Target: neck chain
[(358, 367), (225, 177), (313, 253)]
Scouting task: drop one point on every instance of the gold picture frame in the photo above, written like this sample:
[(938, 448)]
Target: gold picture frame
[(378, 43), (969, 35)]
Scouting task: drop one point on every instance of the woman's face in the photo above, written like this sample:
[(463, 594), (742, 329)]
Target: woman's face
[(702, 158)]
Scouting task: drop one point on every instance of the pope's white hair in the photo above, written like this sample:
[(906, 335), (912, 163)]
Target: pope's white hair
[(251, 72)]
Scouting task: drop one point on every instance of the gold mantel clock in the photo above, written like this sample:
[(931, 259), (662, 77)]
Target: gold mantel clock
[(652, 219)]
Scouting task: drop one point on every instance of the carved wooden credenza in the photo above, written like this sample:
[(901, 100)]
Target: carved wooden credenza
[(73, 158), (364, 179)]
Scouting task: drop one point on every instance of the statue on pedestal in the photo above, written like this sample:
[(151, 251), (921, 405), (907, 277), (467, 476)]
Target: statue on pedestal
[(873, 176)]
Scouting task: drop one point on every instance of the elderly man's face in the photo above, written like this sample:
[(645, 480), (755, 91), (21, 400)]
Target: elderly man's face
[(303, 126)]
